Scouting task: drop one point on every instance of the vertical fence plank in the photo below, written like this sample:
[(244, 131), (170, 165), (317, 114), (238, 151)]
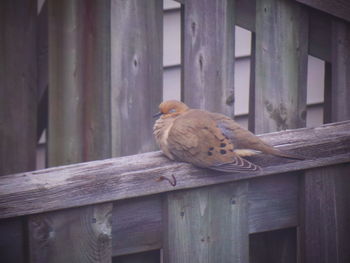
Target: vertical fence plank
[(208, 55), (75, 235), (79, 82), (281, 65), (340, 91), (325, 204), (325, 215), (79, 128), (136, 52), (280, 92), (207, 225), (17, 108)]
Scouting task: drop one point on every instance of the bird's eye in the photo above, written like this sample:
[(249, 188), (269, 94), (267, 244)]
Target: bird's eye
[(172, 110)]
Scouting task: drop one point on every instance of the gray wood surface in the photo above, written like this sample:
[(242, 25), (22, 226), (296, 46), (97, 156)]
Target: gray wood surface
[(18, 76), (207, 225), (77, 235), (325, 202), (281, 49), (136, 73), (79, 130), (339, 8), (325, 216), (273, 202), (208, 55), (18, 86), (319, 27), (137, 225), (137, 222), (79, 85), (340, 91), (280, 65), (133, 176)]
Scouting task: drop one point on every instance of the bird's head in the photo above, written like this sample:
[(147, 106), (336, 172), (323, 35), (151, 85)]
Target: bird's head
[(171, 108)]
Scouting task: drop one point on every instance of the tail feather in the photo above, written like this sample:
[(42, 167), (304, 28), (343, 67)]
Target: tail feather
[(287, 155)]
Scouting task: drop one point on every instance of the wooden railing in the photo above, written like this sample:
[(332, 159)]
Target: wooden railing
[(212, 216), (90, 72)]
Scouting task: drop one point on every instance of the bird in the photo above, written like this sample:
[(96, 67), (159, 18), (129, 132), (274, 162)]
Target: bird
[(208, 140)]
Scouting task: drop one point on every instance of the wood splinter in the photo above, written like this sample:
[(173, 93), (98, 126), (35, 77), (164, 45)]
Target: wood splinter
[(171, 182)]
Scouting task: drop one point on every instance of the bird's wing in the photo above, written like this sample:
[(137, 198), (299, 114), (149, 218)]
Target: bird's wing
[(195, 138), (240, 137)]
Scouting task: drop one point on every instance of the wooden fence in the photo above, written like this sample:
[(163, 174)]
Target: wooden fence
[(91, 72)]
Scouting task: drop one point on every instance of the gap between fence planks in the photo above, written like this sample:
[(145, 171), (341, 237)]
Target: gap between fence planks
[(126, 177)]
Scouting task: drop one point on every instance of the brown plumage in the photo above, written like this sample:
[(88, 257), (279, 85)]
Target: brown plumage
[(209, 140)]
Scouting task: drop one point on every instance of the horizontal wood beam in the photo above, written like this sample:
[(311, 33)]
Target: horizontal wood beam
[(339, 8), (133, 176)]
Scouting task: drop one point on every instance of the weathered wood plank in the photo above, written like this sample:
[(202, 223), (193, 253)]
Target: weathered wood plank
[(126, 177), (18, 105), (136, 73), (88, 227), (325, 216), (79, 130), (339, 8), (137, 225), (137, 222), (18, 86), (319, 27), (79, 84), (325, 203), (338, 102), (207, 225), (208, 55), (281, 65), (281, 48), (273, 202)]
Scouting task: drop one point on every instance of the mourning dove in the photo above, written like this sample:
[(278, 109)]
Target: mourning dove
[(206, 139)]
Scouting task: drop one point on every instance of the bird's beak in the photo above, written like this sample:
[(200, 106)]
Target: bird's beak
[(157, 114)]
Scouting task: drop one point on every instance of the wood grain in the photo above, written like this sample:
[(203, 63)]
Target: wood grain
[(79, 86), (319, 27), (280, 65), (207, 225), (208, 55), (325, 217), (89, 228), (137, 222), (79, 130), (137, 225), (136, 73), (133, 176)]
